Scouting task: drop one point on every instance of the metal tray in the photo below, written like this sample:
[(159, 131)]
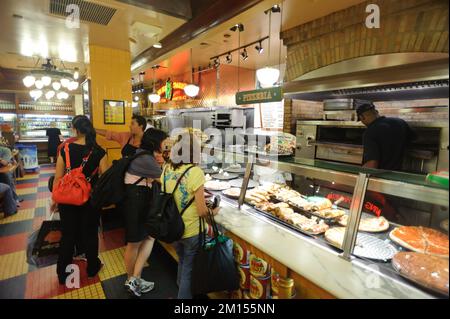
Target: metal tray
[(238, 183), (235, 170), (222, 177), (373, 248)]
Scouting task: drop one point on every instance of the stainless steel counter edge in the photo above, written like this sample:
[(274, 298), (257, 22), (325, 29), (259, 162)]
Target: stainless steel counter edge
[(322, 266)]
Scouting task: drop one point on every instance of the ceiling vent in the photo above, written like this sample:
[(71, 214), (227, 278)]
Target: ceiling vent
[(89, 12)]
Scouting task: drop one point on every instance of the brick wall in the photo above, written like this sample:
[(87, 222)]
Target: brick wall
[(405, 26)]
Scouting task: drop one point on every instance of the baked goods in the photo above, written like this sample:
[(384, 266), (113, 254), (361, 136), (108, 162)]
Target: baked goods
[(330, 213), (217, 185), (335, 236), (319, 203), (369, 224), (311, 225), (301, 203), (425, 270), (286, 194), (421, 239), (232, 192)]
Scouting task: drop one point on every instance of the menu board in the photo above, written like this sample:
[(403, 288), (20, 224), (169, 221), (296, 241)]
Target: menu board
[(272, 115), (86, 93), (114, 111)]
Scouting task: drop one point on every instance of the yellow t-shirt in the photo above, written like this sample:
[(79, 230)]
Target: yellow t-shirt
[(190, 183)]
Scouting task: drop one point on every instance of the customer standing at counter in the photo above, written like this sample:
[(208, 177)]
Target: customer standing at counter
[(129, 141), (384, 140), (54, 139), (142, 171), (190, 197)]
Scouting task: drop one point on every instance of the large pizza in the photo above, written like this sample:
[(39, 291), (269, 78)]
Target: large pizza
[(370, 224), (428, 271), (421, 239)]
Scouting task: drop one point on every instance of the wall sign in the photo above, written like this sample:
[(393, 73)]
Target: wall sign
[(273, 94), (114, 112), (172, 91)]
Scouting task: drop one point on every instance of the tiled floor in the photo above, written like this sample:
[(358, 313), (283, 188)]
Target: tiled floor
[(18, 279)]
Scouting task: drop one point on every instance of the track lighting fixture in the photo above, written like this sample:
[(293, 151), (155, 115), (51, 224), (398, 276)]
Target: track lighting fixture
[(244, 54), (216, 63), (259, 48), (238, 26), (229, 58)]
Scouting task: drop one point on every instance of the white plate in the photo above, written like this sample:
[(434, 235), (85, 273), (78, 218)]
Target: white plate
[(217, 185), (238, 183)]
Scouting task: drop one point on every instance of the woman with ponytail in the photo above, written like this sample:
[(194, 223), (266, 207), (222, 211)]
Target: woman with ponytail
[(82, 219)]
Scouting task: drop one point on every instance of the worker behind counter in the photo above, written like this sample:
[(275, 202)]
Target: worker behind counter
[(385, 139)]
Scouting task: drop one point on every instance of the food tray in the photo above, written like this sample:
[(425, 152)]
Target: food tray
[(223, 177), (238, 183), (282, 222), (230, 196), (308, 213), (371, 247), (235, 170), (365, 215), (210, 171)]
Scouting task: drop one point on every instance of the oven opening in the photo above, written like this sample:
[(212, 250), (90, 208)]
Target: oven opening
[(340, 135)]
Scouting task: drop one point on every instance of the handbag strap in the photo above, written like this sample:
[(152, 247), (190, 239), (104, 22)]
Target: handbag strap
[(66, 151)]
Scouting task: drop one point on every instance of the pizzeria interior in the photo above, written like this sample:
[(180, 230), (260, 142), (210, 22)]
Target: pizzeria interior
[(319, 203)]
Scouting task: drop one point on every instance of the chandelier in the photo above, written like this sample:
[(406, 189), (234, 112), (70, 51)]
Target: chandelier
[(48, 82)]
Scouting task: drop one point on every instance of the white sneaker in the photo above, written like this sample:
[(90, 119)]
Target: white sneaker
[(145, 286), (133, 286)]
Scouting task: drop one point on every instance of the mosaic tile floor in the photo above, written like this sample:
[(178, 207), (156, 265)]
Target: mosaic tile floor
[(20, 280)]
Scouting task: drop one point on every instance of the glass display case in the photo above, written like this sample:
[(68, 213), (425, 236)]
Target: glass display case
[(33, 126), (394, 224)]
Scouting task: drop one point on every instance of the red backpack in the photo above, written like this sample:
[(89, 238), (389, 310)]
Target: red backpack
[(73, 188)]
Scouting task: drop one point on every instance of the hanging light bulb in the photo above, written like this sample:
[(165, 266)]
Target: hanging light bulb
[(39, 84), (62, 95), (29, 80), (56, 86), (65, 82), (73, 85), (50, 94), (36, 94), (46, 80), (267, 76), (191, 90), (154, 98)]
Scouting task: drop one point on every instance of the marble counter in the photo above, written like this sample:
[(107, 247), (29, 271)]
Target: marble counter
[(320, 264)]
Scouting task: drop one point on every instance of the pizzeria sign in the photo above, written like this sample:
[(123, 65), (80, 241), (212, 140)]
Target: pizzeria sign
[(273, 94)]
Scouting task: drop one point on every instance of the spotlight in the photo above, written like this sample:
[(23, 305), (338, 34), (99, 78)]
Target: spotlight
[(238, 26), (216, 63), (244, 55), (259, 48), (276, 8), (229, 58)]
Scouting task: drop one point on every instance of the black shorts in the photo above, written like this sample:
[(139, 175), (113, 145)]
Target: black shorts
[(135, 208)]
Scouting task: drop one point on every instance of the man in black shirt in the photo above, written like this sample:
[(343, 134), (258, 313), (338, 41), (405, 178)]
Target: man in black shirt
[(385, 139)]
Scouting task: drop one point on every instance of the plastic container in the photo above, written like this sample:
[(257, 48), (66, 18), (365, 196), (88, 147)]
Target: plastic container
[(440, 177)]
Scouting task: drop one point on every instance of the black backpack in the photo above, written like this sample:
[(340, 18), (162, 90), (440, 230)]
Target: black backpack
[(164, 222), (110, 187)]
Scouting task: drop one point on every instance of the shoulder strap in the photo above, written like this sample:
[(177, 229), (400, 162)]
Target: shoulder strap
[(181, 177), (188, 204), (66, 150)]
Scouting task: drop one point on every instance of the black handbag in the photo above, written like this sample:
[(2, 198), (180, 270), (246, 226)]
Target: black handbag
[(214, 268)]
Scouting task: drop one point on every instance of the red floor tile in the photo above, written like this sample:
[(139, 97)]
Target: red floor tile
[(37, 222), (11, 244), (27, 185), (27, 204), (43, 283), (111, 239)]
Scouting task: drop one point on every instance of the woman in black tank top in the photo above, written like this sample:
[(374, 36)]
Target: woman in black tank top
[(83, 219)]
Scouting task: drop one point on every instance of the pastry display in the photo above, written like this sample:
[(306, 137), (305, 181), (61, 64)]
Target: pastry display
[(330, 213), (311, 225), (370, 224), (421, 239), (428, 271), (217, 185), (238, 183)]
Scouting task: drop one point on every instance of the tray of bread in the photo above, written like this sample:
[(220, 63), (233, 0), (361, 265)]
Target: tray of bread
[(232, 192), (366, 246)]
